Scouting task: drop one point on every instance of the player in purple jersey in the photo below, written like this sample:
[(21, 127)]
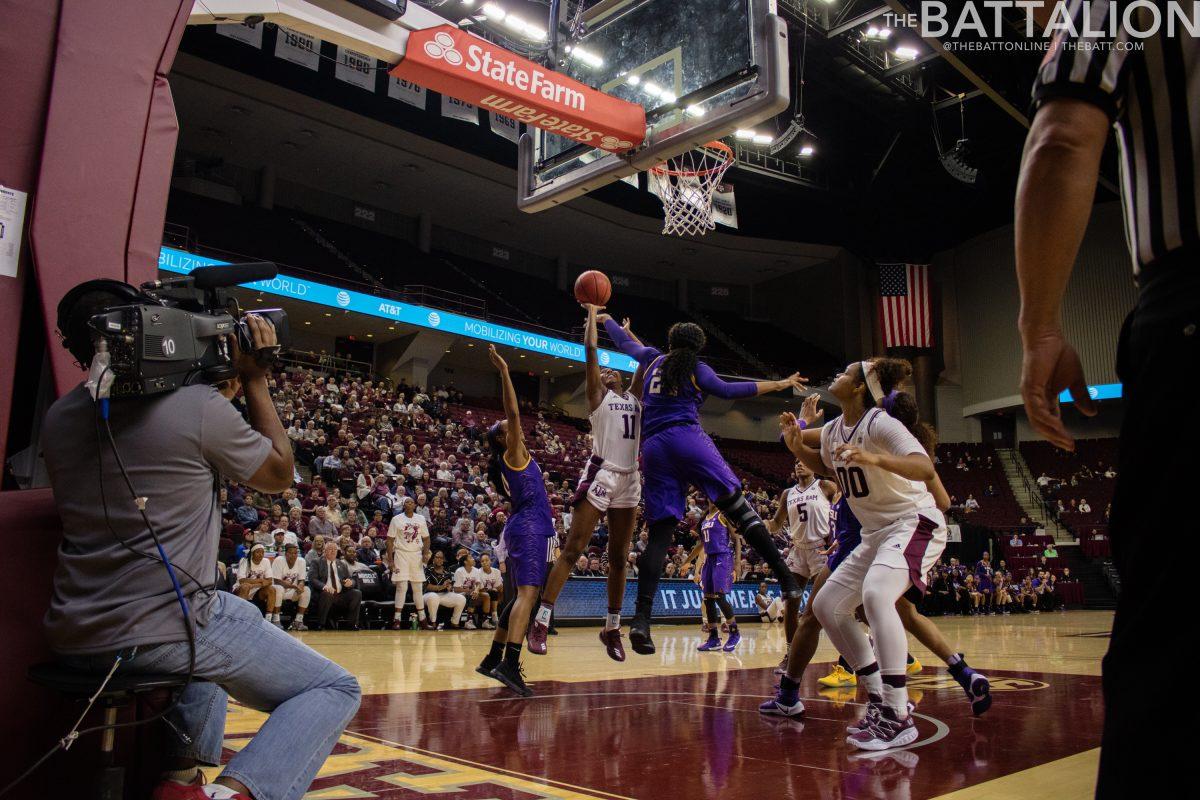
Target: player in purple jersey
[(528, 534), (677, 453), (717, 551)]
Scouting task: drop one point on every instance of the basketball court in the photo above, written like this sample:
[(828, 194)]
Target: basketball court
[(685, 723)]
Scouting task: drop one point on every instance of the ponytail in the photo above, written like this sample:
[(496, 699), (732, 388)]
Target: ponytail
[(889, 373), (498, 444), (685, 340)]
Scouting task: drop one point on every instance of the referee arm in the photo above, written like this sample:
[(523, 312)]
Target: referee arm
[(1055, 192)]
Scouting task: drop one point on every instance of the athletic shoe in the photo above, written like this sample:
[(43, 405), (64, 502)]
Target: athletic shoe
[(639, 635), (535, 638), (865, 723), (732, 642), (885, 731), (278, 623), (196, 790), (840, 678), (297, 625), (713, 643), (469, 625), (427, 625), (488, 625), (914, 667), (396, 626), (513, 678), (979, 692), (611, 639), (782, 668), (776, 708), (486, 672)]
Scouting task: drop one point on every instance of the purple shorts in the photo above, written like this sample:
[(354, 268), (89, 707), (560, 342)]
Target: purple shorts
[(678, 457), (716, 576), (526, 561)]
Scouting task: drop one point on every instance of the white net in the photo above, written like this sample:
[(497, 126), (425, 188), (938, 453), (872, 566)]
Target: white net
[(686, 183)]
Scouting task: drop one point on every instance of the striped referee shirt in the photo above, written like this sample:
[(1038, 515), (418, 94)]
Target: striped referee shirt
[(1143, 83)]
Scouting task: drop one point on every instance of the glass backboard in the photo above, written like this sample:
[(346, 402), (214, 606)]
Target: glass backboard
[(701, 68)]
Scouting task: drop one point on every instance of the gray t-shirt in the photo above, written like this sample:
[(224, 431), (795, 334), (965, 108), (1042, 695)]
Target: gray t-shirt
[(173, 446)]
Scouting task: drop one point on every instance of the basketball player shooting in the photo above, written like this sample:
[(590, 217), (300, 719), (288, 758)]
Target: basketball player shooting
[(610, 484), (676, 453)]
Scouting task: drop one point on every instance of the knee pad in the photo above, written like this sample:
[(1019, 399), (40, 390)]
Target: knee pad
[(740, 513)]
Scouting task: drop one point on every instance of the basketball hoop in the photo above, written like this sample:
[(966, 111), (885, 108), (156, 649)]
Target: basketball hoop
[(686, 183)]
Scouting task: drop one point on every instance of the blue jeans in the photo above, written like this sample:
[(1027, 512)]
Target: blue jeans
[(309, 698)]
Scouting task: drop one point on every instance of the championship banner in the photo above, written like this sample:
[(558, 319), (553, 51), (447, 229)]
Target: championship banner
[(243, 33), (459, 64), (298, 48), (505, 126), (457, 109), (356, 68), (724, 206), (406, 92)]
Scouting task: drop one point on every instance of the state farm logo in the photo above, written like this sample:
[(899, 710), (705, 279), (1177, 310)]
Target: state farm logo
[(442, 46)]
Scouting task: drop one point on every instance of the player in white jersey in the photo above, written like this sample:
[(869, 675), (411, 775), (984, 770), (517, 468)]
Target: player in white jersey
[(611, 484), (806, 510), (407, 551), (882, 468)]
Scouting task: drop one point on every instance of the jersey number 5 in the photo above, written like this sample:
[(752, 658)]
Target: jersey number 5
[(853, 481)]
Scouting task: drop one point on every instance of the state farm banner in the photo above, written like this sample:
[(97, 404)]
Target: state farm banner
[(504, 126), (406, 92), (356, 68), (298, 48), (457, 109), (461, 65)]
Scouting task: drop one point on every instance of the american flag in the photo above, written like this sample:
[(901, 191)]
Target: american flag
[(904, 313)]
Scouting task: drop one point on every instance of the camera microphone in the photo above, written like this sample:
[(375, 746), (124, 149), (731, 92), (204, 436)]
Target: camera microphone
[(219, 276)]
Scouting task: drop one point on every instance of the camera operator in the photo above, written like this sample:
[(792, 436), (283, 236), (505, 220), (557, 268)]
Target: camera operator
[(113, 596)]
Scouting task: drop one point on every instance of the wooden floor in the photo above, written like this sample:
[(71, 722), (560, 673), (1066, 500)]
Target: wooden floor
[(685, 723)]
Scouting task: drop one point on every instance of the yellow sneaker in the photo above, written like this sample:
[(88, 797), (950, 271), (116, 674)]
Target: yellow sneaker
[(839, 678), (914, 667)]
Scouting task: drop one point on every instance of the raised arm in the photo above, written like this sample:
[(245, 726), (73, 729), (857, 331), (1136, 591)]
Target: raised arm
[(515, 449), (627, 343), (595, 389), (709, 383), (809, 456), (776, 522)]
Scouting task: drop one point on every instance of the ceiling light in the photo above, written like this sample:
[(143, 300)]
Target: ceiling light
[(328, 314), (669, 97), (872, 31), (695, 111), (493, 11), (762, 138), (885, 33), (306, 322), (906, 53), (633, 80), (652, 89), (806, 150), (535, 33), (370, 336), (514, 22), (745, 134), (468, 2), (587, 57)]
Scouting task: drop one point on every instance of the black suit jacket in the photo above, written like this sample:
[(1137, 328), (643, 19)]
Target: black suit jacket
[(318, 574)]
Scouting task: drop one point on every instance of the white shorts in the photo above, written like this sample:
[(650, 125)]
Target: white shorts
[(913, 543), (407, 566), (606, 489), (301, 596), (806, 561)]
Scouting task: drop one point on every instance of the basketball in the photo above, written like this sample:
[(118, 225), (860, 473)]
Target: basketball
[(593, 287)]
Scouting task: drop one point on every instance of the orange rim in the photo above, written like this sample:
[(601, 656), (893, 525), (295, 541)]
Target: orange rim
[(720, 147)]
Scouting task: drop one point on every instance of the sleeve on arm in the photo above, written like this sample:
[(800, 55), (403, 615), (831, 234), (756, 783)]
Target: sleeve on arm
[(1087, 68), (709, 383), (625, 343), (227, 441), (891, 435)]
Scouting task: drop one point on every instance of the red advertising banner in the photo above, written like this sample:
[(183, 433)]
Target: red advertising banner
[(465, 67)]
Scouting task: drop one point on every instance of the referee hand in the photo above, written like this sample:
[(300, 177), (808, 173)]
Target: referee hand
[(1050, 364)]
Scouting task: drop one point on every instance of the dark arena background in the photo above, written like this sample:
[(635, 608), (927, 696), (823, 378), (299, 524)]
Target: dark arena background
[(812, 185)]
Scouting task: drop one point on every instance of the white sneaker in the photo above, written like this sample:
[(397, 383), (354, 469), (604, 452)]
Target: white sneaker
[(469, 625), (488, 625), (884, 731)]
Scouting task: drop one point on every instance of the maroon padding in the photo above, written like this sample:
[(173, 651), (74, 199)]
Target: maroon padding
[(914, 554)]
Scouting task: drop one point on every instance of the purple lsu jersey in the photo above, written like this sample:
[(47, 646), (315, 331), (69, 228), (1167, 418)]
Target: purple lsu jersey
[(715, 534), (530, 506), (847, 530), (661, 410)]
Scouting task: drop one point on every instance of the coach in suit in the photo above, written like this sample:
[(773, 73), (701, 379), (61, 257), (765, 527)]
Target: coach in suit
[(333, 586)]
